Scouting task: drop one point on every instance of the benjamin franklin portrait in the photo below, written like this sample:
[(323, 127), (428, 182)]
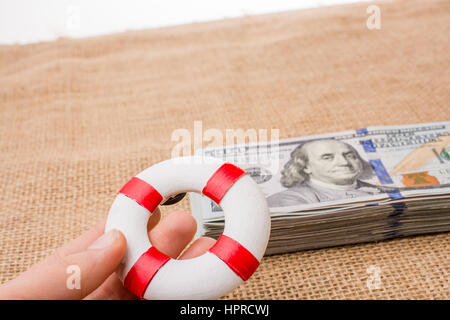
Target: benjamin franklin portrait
[(323, 170)]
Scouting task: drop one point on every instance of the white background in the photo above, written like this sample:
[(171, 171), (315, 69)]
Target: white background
[(28, 21)]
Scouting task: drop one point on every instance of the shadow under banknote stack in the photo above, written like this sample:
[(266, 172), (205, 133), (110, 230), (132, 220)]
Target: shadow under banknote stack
[(369, 184)]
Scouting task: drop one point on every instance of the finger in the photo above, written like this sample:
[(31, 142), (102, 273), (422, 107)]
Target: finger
[(154, 219), (111, 289), (198, 247), (71, 276), (173, 233), (83, 241)]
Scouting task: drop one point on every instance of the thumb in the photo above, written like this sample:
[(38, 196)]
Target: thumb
[(72, 276)]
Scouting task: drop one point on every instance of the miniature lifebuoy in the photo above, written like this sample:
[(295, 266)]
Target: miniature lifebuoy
[(150, 274)]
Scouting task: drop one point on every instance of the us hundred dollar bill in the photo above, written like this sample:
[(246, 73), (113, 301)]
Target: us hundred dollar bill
[(369, 165)]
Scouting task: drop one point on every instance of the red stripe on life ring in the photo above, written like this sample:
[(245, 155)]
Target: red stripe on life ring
[(143, 271), (236, 256), (143, 193), (221, 181)]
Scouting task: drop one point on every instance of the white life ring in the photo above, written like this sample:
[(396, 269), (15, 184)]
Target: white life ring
[(150, 274)]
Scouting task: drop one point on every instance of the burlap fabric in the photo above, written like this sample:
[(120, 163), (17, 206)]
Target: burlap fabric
[(78, 118)]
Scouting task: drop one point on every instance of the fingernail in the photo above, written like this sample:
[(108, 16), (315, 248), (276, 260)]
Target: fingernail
[(105, 240)]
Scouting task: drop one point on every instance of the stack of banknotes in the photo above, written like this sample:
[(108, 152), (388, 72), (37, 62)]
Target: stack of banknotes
[(368, 184)]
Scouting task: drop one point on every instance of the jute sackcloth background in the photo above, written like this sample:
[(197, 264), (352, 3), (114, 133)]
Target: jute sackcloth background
[(78, 118)]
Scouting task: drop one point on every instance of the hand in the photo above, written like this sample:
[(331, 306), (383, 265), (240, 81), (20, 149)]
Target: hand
[(98, 255)]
